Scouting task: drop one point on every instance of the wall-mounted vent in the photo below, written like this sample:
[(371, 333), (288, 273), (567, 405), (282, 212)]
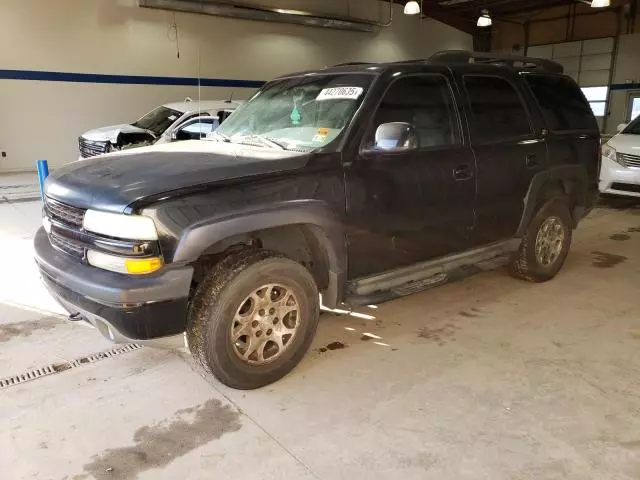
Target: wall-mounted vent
[(248, 12)]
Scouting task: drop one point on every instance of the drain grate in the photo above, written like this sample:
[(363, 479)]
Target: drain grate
[(40, 372), (95, 357), (27, 376)]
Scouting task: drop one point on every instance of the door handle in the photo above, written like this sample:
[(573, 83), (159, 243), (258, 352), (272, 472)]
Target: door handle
[(462, 172), (532, 160)]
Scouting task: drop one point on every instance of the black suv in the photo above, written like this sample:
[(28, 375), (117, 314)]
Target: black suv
[(359, 182)]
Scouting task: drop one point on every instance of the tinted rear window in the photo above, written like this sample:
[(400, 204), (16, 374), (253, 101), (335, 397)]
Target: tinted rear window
[(497, 109), (563, 104)]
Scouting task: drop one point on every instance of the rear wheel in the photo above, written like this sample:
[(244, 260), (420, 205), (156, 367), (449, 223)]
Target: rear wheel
[(253, 318), (546, 243)]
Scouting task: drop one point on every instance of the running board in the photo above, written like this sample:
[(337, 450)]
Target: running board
[(415, 278)]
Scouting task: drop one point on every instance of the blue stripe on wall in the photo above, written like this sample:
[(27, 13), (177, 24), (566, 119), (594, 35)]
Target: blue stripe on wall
[(151, 80), (124, 79)]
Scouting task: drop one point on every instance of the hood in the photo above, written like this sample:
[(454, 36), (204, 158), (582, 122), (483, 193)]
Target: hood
[(110, 133), (626, 143), (112, 182)]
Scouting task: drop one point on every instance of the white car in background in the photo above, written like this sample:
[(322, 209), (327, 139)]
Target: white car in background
[(620, 170), (186, 120)]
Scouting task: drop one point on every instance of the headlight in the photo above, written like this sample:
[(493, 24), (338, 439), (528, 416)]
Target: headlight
[(132, 227), (609, 152), (131, 266)]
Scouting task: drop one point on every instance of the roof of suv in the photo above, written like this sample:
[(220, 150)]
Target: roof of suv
[(451, 57), (194, 105)]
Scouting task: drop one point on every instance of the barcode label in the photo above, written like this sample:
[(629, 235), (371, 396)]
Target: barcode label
[(351, 93)]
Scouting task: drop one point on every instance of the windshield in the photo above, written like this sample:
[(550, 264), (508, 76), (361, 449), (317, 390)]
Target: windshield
[(633, 128), (301, 113), (158, 120)]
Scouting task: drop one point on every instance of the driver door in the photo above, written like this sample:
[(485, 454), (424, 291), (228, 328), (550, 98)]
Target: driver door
[(412, 205)]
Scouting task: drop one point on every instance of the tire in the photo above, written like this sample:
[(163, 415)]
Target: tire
[(229, 297), (556, 215)]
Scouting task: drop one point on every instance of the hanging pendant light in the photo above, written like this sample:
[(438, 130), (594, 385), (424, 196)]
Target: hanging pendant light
[(484, 20), (600, 3), (412, 8)]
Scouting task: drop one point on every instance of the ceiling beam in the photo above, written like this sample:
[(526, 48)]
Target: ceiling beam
[(465, 13), (432, 10), (536, 6), (444, 15)]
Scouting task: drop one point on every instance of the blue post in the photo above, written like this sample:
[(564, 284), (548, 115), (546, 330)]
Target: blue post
[(43, 173)]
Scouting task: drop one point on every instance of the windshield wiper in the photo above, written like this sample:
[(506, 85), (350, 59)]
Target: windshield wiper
[(263, 140), (222, 136)]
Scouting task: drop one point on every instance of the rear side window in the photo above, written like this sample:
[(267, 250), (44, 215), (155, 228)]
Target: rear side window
[(497, 111), (562, 103)]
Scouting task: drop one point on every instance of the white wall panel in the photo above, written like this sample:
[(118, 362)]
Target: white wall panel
[(570, 64), (541, 51), (570, 49), (594, 78), (118, 37), (598, 45), (575, 74), (596, 62), (628, 61)]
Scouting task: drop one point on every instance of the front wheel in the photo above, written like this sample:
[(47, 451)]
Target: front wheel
[(253, 318), (545, 244)]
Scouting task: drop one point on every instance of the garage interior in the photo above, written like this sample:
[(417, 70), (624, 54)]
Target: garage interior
[(484, 378)]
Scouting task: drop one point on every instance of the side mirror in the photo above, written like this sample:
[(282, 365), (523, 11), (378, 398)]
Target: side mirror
[(621, 127), (180, 134), (396, 137)]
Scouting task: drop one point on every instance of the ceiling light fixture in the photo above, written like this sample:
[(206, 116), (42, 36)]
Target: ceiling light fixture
[(484, 20), (412, 8), (600, 3)]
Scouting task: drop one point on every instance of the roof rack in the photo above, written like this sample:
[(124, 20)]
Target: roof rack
[(463, 56), (346, 64)]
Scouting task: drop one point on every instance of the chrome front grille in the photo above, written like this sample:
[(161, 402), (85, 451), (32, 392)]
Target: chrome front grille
[(89, 148), (627, 160), (64, 213), (67, 246), (65, 218)]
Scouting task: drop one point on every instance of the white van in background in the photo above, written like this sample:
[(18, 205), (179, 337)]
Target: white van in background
[(186, 120), (620, 170)]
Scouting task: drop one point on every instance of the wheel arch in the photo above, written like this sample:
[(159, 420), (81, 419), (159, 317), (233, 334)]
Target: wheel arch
[(302, 230), (566, 180)]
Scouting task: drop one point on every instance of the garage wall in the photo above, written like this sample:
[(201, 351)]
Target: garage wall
[(42, 119), (626, 81)]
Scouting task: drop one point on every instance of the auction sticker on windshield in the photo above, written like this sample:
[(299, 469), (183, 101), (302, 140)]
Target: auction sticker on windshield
[(335, 93)]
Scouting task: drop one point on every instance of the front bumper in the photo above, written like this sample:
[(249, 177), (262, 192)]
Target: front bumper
[(121, 307), (618, 180)]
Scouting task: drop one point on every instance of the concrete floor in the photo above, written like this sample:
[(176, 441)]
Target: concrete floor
[(488, 378)]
